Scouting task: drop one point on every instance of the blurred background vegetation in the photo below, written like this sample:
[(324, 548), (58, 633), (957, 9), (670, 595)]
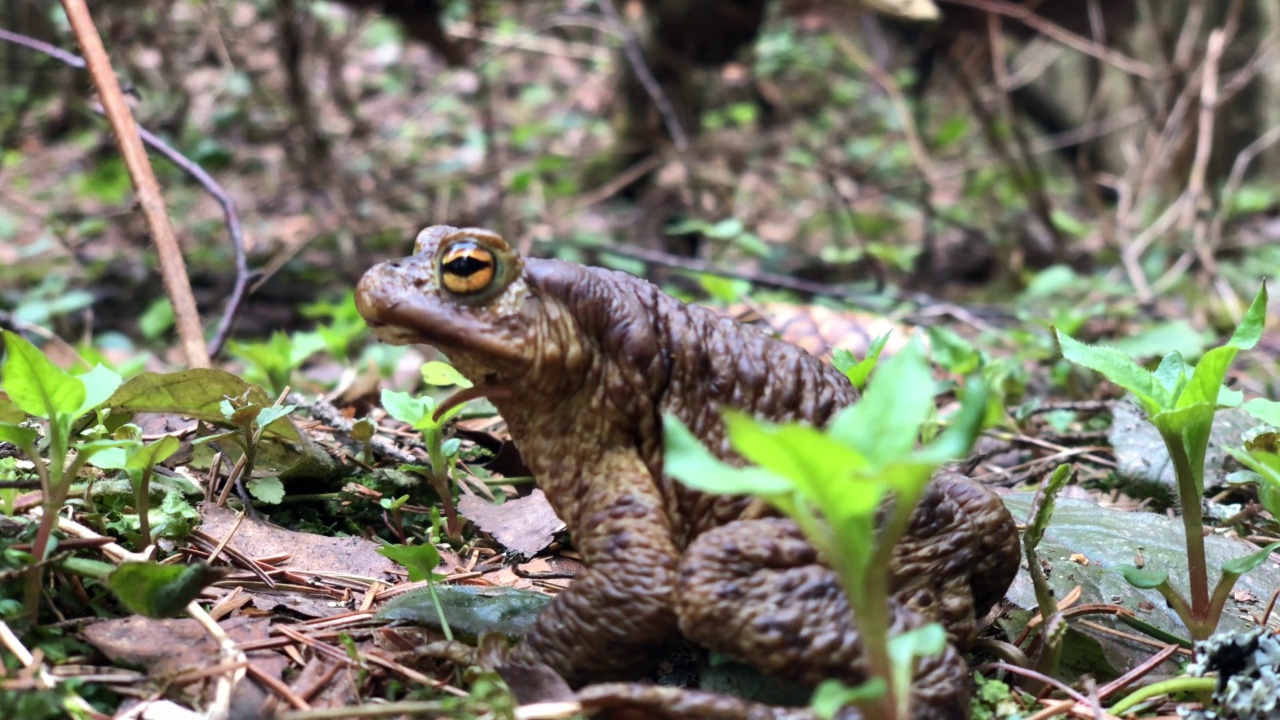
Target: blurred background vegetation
[(1094, 151)]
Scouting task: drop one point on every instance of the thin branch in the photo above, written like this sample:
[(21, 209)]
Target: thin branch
[(1028, 17), (636, 59), (172, 267)]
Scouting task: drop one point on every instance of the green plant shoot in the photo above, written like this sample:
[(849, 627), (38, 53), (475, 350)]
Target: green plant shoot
[(1181, 400), (37, 388), (833, 482), (422, 414)]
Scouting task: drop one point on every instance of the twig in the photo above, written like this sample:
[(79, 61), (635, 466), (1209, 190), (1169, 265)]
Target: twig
[(1026, 672), (1028, 17), (172, 267), (636, 59)]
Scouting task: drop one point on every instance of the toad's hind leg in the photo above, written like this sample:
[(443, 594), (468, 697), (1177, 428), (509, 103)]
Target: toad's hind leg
[(753, 590)]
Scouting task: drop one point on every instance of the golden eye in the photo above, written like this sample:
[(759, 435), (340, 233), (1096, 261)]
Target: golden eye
[(467, 268)]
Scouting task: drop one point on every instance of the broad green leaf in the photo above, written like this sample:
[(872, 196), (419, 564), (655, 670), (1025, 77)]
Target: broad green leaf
[(1164, 337), (194, 393), (10, 413), (1119, 369), (1173, 374), (832, 695), (156, 452), (859, 370), (1140, 578), (904, 649), (17, 435), (963, 427), (1206, 380), (443, 374), (885, 423), (405, 407), (690, 462), (951, 351), (1266, 465), (90, 449), (99, 384), (35, 385), (1251, 326), (266, 489), (802, 454), (160, 591), (302, 346), (470, 610), (419, 560), (1242, 565), (1268, 411), (271, 413)]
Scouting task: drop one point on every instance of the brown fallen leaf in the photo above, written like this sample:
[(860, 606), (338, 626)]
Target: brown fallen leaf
[(308, 552), (525, 526)]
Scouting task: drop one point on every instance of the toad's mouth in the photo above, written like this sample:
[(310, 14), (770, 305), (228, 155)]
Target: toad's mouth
[(395, 334)]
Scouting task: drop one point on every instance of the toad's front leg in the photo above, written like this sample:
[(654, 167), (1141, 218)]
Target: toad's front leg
[(618, 614)]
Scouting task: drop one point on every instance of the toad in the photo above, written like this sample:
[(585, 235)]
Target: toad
[(583, 363)]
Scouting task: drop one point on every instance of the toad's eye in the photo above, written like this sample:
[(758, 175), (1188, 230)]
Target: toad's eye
[(467, 268)]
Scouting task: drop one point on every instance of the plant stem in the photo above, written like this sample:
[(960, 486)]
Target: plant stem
[(1181, 684), (1193, 525), (873, 618)]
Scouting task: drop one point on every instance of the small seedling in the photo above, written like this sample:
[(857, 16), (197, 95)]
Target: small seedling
[(138, 461), (859, 370), (37, 388), (250, 420), (1181, 400), (421, 562), (832, 483), (420, 413)]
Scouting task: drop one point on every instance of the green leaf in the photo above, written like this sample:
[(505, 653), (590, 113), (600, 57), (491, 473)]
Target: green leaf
[(885, 423), (1207, 379), (1251, 326), (156, 452), (405, 407), (859, 370), (1268, 411), (1173, 374), (271, 413), (832, 695), (1176, 336), (802, 454), (160, 591), (951, 351), (266, 489), (1119, 369), (906, 648), (35, 385), (1242, 565), (443, 374), (99, 384), (687, 460), (963, 427), (1140, 578), (194, 393), (722, 289), (20, 436), (419, 560)]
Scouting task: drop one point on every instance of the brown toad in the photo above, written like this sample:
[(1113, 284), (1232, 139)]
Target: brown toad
[(583, 363)]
